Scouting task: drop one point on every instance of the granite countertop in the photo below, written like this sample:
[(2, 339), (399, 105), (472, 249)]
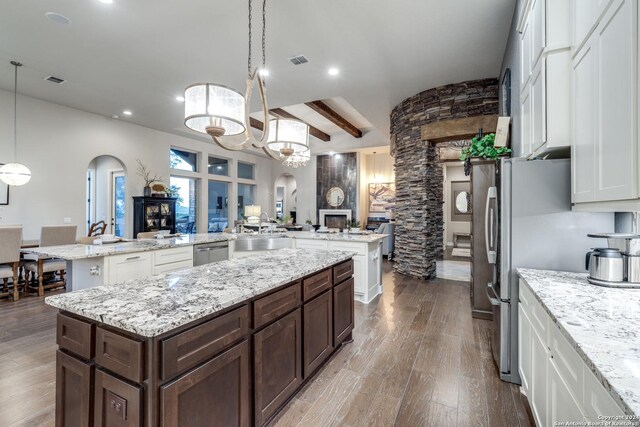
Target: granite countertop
[(78, 251), (152, 306), (602, 324), (366, 238)]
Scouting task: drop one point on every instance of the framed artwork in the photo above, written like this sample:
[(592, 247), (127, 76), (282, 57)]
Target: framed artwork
[(460, 201), (505, 93), (382, 197), (4, 192)]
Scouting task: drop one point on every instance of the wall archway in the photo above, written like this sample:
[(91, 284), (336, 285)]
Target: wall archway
[(285, 192), (106, 194)]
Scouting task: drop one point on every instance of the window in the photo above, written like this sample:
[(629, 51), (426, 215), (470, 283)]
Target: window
[(183, 160), (218, 209), (246, 196), (218, 166), (186, 207), (246, 170)]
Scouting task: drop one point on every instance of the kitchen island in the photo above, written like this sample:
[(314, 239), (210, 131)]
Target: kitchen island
[(579, 348), (94, 265), (231, 341)]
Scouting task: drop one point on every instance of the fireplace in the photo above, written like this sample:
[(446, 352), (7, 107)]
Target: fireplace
[(335, 218)]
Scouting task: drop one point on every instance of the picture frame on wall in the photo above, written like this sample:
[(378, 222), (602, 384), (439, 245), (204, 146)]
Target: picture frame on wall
[(4, 192), (461, 208), (382, 197)]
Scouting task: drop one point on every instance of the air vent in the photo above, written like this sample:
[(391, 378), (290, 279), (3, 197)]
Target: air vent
[(56, 80), (297, 60)]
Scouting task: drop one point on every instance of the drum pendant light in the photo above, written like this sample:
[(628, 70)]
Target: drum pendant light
[(15, 173)]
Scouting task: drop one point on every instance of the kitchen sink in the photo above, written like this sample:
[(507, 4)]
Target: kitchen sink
[(264, 242)]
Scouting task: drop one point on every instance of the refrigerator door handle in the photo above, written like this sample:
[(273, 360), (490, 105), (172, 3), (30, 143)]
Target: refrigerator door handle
[(491, 293), (490, 233)]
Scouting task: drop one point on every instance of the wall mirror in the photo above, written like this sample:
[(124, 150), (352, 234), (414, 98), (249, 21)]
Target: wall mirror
[(462, 202), (335, 197)]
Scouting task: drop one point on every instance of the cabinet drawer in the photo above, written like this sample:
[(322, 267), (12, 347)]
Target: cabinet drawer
[(342, 311), (187, 349), (119, 354), (539, 320), (359, 248), (316, 284), (166, 268), (568, 362), (117, 403), (525, 297), (167, 256), (275, 305), (75, 335), (342, 272)]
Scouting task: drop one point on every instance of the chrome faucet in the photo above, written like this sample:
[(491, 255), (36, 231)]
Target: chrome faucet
[(260, 225)]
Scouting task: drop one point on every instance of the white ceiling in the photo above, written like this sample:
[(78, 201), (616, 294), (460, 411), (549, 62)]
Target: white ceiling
[(140, 54)]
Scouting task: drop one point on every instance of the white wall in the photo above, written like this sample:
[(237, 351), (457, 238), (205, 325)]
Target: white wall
[(384, 172), (57, 143), (511, 59), (452, 172)]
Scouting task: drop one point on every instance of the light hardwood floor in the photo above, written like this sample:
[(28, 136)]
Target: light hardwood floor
[(418, 359)]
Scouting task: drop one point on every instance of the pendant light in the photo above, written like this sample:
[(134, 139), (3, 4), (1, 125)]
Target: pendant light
[(222, 112), (15, 173), (375, 176), (297, 160), (288, 136)]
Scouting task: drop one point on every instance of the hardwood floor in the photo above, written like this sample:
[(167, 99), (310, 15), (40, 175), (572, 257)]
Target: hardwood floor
[(418, 359)]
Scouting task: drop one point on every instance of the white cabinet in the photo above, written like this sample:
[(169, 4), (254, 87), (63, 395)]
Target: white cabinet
[(172, 259), (605, 102), (586, 14), (558, 384), (545, 60), (129, 266)]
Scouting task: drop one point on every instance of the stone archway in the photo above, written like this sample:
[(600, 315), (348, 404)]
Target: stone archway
[(447, 115)]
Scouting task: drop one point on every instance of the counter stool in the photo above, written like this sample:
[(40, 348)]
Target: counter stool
[(11, 238), (52, 235)]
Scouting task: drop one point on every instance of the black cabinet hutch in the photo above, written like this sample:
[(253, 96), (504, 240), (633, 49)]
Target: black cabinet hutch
[(154, 214)]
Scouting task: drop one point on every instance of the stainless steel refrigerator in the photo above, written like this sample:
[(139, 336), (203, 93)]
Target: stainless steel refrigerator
[(529, 223)]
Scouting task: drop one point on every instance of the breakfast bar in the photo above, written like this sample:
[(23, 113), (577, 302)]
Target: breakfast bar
[(231, 341)]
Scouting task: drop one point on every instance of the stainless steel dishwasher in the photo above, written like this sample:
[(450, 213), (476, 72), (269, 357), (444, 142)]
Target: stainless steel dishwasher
[(206, 253)]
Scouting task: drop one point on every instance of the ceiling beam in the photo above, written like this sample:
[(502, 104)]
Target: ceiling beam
[(325, 111), (312, 130)]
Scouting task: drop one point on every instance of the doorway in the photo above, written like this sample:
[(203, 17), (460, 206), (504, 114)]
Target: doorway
[(106, 194), (286, 200)]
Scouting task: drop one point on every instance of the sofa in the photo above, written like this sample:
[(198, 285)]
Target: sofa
[(388, 245)]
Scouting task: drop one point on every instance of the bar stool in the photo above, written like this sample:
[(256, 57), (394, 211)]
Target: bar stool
[(53, 235), (11, 238)]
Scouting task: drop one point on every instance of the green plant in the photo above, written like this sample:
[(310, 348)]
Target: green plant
[(354, 223), (174, 191), (308, 221), (483, 147)]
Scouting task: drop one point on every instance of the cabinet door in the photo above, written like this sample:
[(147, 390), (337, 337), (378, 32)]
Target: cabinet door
[(277, 364), (218, 390), (562, 405), (125, 267), (538, 27), (616, 150), (525, 52), (524, 349), (538, 106), (317, 322), (74, 391), (596, 399), (584, 19), (117, 403), (538, 384), (343, 312), (360, 274), (584, 126), (525, 128)]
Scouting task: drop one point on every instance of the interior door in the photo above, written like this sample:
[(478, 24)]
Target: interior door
[(118, 203)]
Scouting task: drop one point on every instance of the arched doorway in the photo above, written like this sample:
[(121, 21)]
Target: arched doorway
[(106, 199), (286, 198)]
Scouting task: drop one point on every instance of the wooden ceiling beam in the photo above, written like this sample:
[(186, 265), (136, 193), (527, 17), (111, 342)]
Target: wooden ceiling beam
[(312, 130), (325, 111)]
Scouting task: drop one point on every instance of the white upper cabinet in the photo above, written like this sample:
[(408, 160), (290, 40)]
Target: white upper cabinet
[(537, 19), (586, 15), (605, 110), (538, 107), (525, 117), (525, 58)]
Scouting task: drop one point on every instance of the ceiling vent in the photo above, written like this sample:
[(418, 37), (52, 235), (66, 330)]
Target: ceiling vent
[(56, 80), (297, 60)]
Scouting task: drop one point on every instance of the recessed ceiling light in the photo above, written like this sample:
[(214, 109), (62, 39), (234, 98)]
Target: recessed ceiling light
[(127, 113), (106, 1), (58, 18), (115, 116), (264, 72), (180, 98), (333, 71), (331, 153)]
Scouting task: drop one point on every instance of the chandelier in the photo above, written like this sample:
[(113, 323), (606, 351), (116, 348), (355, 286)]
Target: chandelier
[(298, 160), (15, 173), (288, 136)]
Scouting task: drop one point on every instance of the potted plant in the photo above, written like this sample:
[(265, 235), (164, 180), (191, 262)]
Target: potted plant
[(482, 146), (355, 226), (145, 174)]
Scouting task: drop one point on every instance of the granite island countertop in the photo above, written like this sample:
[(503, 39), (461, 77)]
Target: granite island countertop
[(602, 324), (79, 251), (364, 238), (154, 305)]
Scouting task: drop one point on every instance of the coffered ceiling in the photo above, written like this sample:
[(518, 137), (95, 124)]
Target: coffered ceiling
[(138, 55)]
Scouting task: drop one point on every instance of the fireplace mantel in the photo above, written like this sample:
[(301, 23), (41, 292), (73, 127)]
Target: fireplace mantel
[(323, 213)]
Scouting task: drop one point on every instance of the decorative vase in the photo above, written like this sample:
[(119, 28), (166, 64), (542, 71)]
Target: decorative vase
[(147, 191)]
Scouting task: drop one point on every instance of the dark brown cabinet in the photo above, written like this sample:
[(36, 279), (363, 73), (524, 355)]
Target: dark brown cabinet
[(318, 332), (277, 364), (154, 214), (342, 311), (216, 393), (117, 402), (74, 391)]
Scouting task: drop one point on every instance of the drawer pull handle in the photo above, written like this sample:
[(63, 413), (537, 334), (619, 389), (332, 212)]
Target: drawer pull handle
[(131, 258)]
